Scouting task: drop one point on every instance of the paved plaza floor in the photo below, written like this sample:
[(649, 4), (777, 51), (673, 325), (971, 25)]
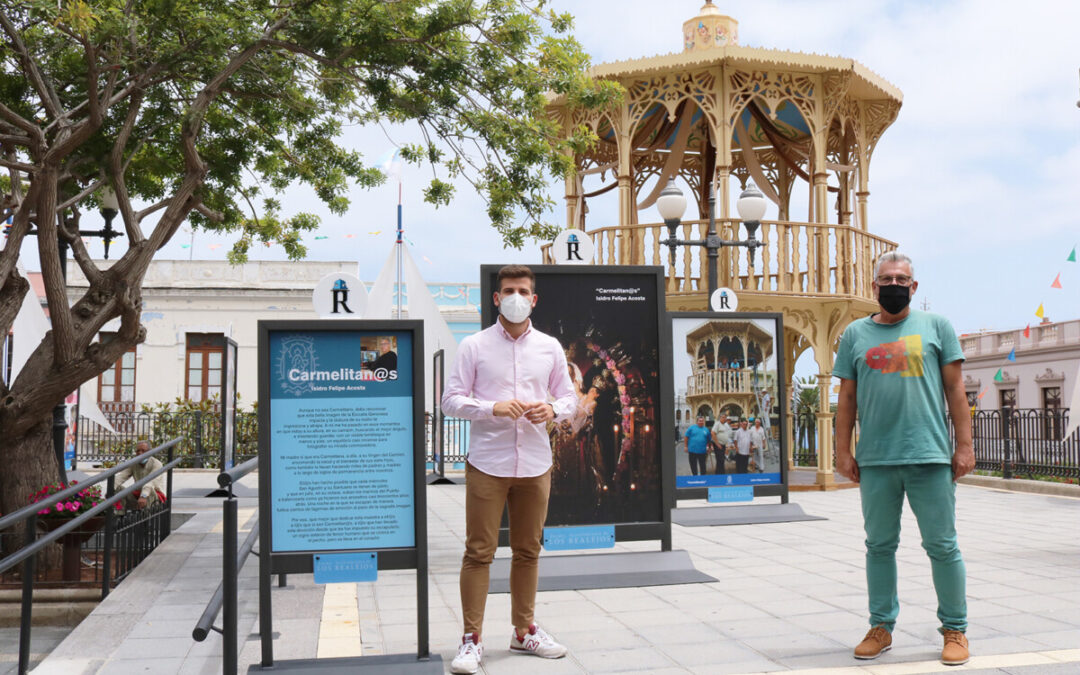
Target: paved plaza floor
[(789, 597)]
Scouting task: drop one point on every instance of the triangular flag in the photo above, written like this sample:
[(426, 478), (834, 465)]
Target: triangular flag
[(185, 245), (214, 247), (376, 232), (322, 236), (1074, 407), (1012, 355), (1039, 312), (983, 392), (349, 236), (1057, 281), (1027, 331), (1072, 256), (998, 377)]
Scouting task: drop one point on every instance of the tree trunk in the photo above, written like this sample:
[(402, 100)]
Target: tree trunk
[(29, 465)]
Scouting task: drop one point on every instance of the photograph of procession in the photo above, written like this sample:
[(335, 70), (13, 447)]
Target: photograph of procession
[(728, 392)]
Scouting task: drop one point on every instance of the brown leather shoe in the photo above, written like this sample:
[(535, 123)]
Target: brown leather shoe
[(955, 651), (877, 642)]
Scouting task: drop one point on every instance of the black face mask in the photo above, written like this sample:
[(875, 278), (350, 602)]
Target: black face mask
[(893, 299)]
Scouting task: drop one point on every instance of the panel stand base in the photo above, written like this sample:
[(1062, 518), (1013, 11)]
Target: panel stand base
[(436, 479), (750, 514), (606, 570), (384, 664)]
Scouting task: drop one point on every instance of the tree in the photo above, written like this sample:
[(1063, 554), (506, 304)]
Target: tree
[(205, 110), (806, 408)]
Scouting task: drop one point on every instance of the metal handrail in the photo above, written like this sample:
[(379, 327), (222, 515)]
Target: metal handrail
[(229, 478), (25, 552), (225, 598), (32, 544), (20, 515), (206, 621)]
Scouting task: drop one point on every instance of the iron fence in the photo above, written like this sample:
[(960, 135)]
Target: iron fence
[(200, 432), (1028, 442)]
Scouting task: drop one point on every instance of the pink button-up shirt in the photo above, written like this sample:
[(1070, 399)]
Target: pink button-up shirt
[(492, 366)]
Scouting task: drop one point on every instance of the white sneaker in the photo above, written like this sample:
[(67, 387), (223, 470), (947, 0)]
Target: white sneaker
[(468, 656), (537, 642)]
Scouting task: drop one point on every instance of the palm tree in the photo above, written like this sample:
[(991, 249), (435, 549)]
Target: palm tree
[(806, 406)]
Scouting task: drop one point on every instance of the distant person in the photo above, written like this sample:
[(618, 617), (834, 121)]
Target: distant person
[(742, 440), (898, 368), (759, 439), (510, 380), (721, 433), (386, 359), (151, 493), (696, 445)]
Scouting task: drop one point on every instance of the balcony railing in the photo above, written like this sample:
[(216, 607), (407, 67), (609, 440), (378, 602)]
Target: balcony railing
[(797, 258), (722, 381)]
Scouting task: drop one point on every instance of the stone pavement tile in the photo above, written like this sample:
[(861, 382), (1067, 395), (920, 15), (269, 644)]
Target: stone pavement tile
[(155, 665), (825, 660), (990, 591), (152, 648), (67, 666), (591, 640), (623, 660), (618, 600), (836, 620), (802, 644), (651, 617), (547, 611), (755, 665), (794, 605), (1061, 639), (705, 653), (744, 629), (1046, 603), (679, 634), (504, 662), (1006, 644), (163, 627), (97, 636), (200, 668), (1023, 624)]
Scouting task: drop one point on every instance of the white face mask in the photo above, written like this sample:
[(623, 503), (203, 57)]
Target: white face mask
[(515, 308)]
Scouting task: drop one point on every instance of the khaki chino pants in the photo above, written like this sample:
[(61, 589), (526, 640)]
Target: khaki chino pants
[(527, 502)]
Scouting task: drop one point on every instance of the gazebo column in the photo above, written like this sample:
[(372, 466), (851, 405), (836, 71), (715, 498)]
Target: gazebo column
[(825, 475), (626, 188)]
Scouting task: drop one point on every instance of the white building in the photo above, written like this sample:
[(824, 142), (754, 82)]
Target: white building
[(190, 307), (1042, 376)]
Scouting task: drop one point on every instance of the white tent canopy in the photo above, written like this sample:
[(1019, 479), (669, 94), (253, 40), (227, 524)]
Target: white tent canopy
[(421, 305)]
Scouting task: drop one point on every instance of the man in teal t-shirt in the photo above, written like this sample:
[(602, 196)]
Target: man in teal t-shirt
[(898, 369), (696, 444)]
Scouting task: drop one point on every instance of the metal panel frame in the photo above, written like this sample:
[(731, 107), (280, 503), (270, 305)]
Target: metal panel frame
[(653, 277), (415, 557), (775, 490)]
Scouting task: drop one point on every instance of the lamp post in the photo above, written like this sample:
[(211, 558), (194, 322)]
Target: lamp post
[(109, 209), (672, 204)]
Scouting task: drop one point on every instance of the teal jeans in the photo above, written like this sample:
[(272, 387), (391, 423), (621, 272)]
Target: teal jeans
[(931, 493)]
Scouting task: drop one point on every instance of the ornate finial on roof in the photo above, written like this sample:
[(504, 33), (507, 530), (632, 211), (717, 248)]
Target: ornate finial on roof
[(709, 30)]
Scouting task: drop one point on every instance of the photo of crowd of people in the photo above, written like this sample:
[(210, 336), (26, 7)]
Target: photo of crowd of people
[(726, 392)]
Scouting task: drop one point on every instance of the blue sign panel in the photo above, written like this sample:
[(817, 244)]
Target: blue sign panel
[(338, 568), (718, 480), (735, 493), (341, 440), (574, 538)]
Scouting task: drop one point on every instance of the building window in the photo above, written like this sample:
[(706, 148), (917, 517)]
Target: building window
[(202, 369), (116, 385), (1008, 398), (1051, 403)]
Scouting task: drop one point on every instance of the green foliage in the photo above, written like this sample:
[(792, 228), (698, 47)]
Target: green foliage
[(266, 90)]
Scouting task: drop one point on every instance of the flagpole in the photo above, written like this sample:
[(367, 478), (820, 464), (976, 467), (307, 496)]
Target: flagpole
[(399, 244)]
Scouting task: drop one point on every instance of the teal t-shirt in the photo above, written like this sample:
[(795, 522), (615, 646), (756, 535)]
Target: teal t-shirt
[(699, 439), (899, 391)]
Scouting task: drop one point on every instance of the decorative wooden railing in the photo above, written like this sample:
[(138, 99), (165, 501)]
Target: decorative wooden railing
[(797, 258), (722, 381)]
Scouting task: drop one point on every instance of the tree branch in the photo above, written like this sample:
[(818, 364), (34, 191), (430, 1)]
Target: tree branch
[(45, 91), (116, 166)]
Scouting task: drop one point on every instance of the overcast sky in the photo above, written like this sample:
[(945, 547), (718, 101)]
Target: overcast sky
[(977, 179)]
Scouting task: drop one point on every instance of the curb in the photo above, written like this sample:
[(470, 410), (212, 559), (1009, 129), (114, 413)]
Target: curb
[(1038, 487)]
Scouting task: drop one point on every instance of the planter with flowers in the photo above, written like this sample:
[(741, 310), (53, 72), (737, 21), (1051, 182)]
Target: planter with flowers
[(63, 512)]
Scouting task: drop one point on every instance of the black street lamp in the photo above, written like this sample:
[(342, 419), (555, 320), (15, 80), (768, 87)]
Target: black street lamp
[(751, 205), (109, 209)]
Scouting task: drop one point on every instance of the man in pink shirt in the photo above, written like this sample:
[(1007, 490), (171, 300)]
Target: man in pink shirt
[(509, 380)]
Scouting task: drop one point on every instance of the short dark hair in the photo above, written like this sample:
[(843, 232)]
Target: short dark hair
[(515, 272)]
